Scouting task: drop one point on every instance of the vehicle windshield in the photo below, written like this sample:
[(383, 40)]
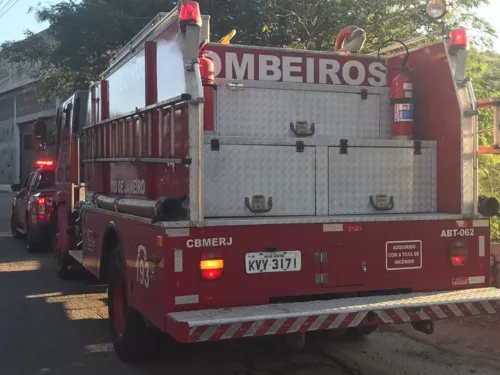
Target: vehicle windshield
[(46, 179)]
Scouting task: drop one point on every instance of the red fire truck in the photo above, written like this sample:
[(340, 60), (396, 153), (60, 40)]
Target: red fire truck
[(227, 191)]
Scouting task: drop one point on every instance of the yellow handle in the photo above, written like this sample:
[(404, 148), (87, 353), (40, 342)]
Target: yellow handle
[(228, 37)]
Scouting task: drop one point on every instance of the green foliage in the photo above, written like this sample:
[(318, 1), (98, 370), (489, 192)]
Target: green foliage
[(484, 69)]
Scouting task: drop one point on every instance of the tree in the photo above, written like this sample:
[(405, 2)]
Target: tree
[(484, 69), (85, 34)]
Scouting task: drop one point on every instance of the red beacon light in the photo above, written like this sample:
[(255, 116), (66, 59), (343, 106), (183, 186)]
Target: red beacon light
[(190, 13), (459, 39), (44, 163)]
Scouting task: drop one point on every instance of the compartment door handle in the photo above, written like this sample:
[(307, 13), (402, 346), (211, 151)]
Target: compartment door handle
[(301, 129), (258, 205), (380, 203)]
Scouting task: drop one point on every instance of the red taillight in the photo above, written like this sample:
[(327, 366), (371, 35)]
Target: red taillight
[(41, 208), (459, 254), (211, 266), (459, 260), (44, 163), (190, 13), (459, 38), (211, 274)]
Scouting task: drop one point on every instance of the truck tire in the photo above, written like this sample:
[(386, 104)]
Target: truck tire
[(64, 269), (31, 245), (14, 228), (360, 332), (132, 338)]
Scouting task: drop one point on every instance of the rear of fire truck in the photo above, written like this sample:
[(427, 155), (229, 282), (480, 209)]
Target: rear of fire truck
[(239, 191)]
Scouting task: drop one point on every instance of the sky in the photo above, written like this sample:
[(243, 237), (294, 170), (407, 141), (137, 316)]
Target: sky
[(14, 18)]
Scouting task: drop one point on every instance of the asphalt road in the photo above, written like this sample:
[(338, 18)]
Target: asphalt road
[(48, 326)]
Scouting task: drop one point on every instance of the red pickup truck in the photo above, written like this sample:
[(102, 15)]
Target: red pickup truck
[(32, 206)]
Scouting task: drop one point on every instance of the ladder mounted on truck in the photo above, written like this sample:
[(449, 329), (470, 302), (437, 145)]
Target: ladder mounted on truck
[(495, 104)]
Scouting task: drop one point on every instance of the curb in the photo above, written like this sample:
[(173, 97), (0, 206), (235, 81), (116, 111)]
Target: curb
[(4, 188)]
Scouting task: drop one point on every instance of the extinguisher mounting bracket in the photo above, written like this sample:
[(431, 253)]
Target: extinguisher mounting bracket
[(417, 147), (404, 62)]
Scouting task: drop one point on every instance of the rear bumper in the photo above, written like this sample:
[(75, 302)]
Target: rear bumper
[(41, 232), (265, 320)]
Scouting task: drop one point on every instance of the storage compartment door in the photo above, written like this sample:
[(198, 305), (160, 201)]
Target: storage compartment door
[(263, 112), (366, 172), (344, 266), (235, 174)]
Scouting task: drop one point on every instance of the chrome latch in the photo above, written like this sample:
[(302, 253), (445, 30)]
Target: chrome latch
[(363, 266)]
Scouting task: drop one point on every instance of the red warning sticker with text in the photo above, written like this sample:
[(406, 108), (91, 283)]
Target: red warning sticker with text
[(403, 255)]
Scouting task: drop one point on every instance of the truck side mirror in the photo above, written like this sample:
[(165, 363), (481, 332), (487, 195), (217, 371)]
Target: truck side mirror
[(40, 135), (15, 187)]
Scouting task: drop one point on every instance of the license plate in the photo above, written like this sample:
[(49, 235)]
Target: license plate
[(280, 261)]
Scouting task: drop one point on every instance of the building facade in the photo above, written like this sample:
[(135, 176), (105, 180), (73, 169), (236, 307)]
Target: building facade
[(20, 107)]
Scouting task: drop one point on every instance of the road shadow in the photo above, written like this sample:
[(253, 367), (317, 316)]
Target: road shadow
[(63, 327)]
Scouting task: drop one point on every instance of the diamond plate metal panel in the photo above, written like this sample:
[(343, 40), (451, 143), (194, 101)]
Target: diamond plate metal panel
[(321, 180), (236, 172), (385, 116), (468, 126), (434, 208), (259, 112), (343, 305), (396, 172)]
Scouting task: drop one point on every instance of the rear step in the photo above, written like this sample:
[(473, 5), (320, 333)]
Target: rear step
[(77, 255), (282, 318)]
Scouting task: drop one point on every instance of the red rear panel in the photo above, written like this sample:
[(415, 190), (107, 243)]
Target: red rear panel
[(376, 257)]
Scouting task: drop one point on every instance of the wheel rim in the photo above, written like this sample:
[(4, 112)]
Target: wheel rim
[(55, 245), (27, 238), (13, 225), (119, 305)]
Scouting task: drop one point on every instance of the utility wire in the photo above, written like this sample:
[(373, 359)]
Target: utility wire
[(6, 4), (9, 7)]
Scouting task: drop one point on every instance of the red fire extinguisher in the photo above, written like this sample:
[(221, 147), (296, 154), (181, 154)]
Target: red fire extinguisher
[(402, 105), (207, 72), (402, 97)]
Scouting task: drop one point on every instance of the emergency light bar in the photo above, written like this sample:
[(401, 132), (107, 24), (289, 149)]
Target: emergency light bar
[(44, 163), (190, 13), (459, 38)]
